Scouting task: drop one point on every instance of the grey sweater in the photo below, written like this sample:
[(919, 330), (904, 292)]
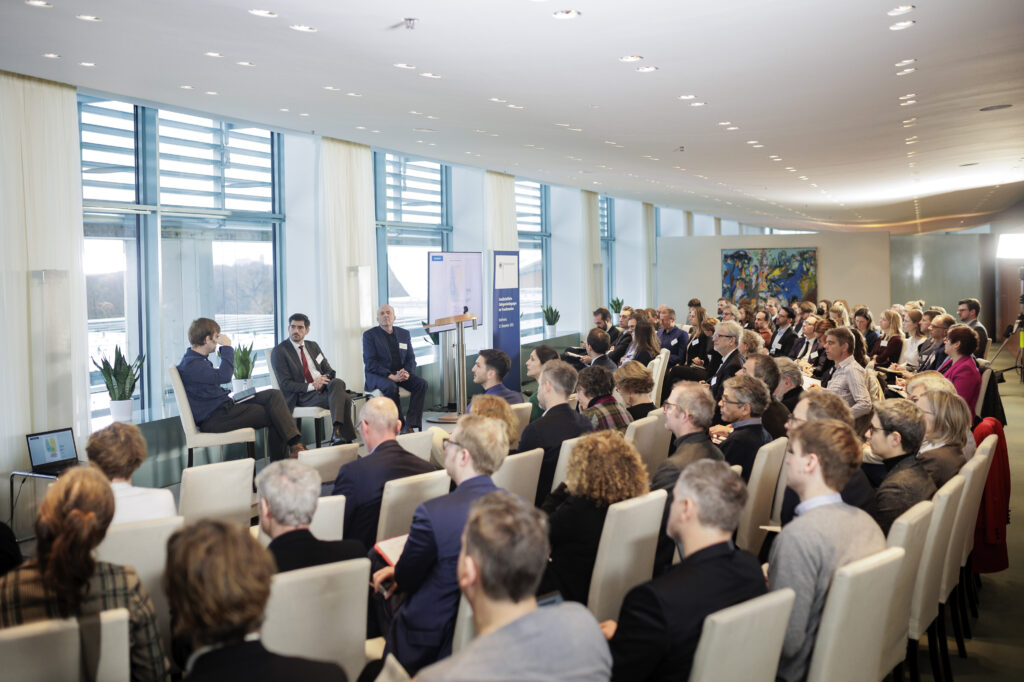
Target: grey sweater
[(804, 557)]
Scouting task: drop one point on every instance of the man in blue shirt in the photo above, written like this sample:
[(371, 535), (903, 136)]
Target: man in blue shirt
[(672, 337), (214, 411), (490, 369)]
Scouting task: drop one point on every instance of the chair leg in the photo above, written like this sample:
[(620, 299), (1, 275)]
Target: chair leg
[(915, 672), (961, 590), (934, 650), (897, 673), (251, 448), (947, 671), (972, 585), (190, 458), (954, 616), (318, 428)]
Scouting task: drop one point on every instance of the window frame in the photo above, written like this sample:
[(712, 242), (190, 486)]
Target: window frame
[(536, 239)]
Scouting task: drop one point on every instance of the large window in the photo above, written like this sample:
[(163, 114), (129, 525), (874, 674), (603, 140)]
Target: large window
[(413, 219), (180, 222), (534, 264), (607, 212)]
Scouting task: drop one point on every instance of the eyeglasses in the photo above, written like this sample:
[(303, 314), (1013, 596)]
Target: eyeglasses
[(723, 336), (449, 441), (794, 421), (872, 428), (725, 400), (665, 405)]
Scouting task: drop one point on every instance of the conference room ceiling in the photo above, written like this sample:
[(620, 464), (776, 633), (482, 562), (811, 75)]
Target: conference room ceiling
[(788, 113)]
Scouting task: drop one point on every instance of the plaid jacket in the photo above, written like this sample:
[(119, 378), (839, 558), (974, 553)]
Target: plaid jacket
[(25, 599), (607, 413)]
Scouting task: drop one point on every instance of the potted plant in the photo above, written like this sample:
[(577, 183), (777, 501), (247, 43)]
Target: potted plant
[(616, 305), (120, 379), (551, 317), (245, 359)]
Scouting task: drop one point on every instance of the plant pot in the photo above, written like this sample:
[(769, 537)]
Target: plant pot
[(550, 331), (241, 384), (121, 410)]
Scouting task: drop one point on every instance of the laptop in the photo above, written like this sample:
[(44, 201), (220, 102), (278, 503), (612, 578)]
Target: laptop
[(52, 452)]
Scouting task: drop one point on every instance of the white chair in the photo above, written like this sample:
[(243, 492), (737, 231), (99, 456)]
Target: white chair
[(194, 438), (320, 613), (392, 671), (328, 460), (419, 442), (50, 650), (909, 531), (299, 413), (465, 627), (780, 495), (221, 491), (759, 624), (625, 554), (143, 546), (329, 518), (437, 445), (522, 412), (737, 468), (400, 498), (848, 646), (757, 512), (924, 605), (651, 439), (986, 376), (519, 473), (562, 465), (658, 367)]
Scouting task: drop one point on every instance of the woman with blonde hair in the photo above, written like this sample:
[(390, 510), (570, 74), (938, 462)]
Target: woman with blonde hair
[(838, 314), (497, 408), (947, 425), (750, 343), (635, 383), (63, 580), (889, 346), (911, 353), (603, 469)]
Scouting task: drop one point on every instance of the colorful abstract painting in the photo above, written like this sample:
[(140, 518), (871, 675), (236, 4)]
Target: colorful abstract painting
[(787, 274)]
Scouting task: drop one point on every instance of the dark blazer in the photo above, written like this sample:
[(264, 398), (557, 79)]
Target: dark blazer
[(613, 334), (798, 346), (574, 529), (377, 356), (10, 553), (620, 347), (299, 549), (942, 463), (604, 361), (791, 397), (935, 359), (661, 621), (288, 368), (558, 424), (726, 370), (888, 354), (698, 348), (742, 445), (774, 419), (362, 481), (640, 410), (251, 662), (422, 629), (787, 339), (906, 483)]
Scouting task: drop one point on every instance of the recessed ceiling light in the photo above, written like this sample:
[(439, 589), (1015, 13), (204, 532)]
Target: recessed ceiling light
[(567, 14), (908, 102), (354, 94), (910, 121), (733, 128), (285, 109), (360, 127), (497, 99), (563, 125), (904, 62), (904, 72), (374, 131), (213, 54), (646, 69), (996, 107), (432, 118), (245, 63), (576, 130), (789, 168), (902, 9), (725, 123), (403, 65), (427, 74), (303, 114), (38, 3), (687, 96), (51, 55), (185, 87), (803, 177), (758, 146), (900, 25), (211, 92), (331, 88), (87, 63), (302, 28), (88, 17), (265, 13), (699, 104), (909, 95), (415, 113), (514, 106), (751, 141), (631, 58)]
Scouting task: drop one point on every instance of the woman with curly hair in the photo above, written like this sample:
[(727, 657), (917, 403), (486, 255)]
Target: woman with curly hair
[(635, 383), (603, 469), (498, 408), (63, 580)]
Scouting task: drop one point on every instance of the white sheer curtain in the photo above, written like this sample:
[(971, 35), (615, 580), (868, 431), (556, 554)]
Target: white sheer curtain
[(648, 239), (348, 259), (42, 284), (592, 286), (500, 211)]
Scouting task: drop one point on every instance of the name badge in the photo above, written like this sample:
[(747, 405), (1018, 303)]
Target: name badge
[(319, 358), (694, 342), (885, 342), (714, 380), (674, 342), (402, 346), (814, 355)]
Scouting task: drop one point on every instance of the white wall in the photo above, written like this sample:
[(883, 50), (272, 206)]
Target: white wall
[(850, 266), (567, 276), (468, 235), (300, 238), (629, 253)]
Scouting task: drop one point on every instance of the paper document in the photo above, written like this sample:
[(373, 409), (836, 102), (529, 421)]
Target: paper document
[(391, 549)]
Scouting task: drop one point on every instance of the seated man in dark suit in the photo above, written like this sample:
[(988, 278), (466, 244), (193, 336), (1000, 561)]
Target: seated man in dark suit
[(660, 621), (289, 492), (743, 401), (307, 379), (726, 341), (362, 481), (896, 431), (672, 337), (213, 409), (776, 415), (558, 423), (784, 337), (597, 346), (603, 321), (389, 363), (490, 369), (421, 626)]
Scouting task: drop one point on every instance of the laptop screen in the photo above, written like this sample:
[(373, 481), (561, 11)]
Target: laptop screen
[(52, 448)]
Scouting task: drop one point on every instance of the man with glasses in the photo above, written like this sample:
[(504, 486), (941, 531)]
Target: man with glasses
[(362, 480), (421, 626), (849, 380), (936, 355), (743, 401), (784, 337), (895, 434), (802, 348), (726, 343)]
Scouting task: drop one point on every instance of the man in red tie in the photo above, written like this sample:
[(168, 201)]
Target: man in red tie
[(307, 379)]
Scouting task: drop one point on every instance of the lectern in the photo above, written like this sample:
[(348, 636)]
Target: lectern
[(460, 322)]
